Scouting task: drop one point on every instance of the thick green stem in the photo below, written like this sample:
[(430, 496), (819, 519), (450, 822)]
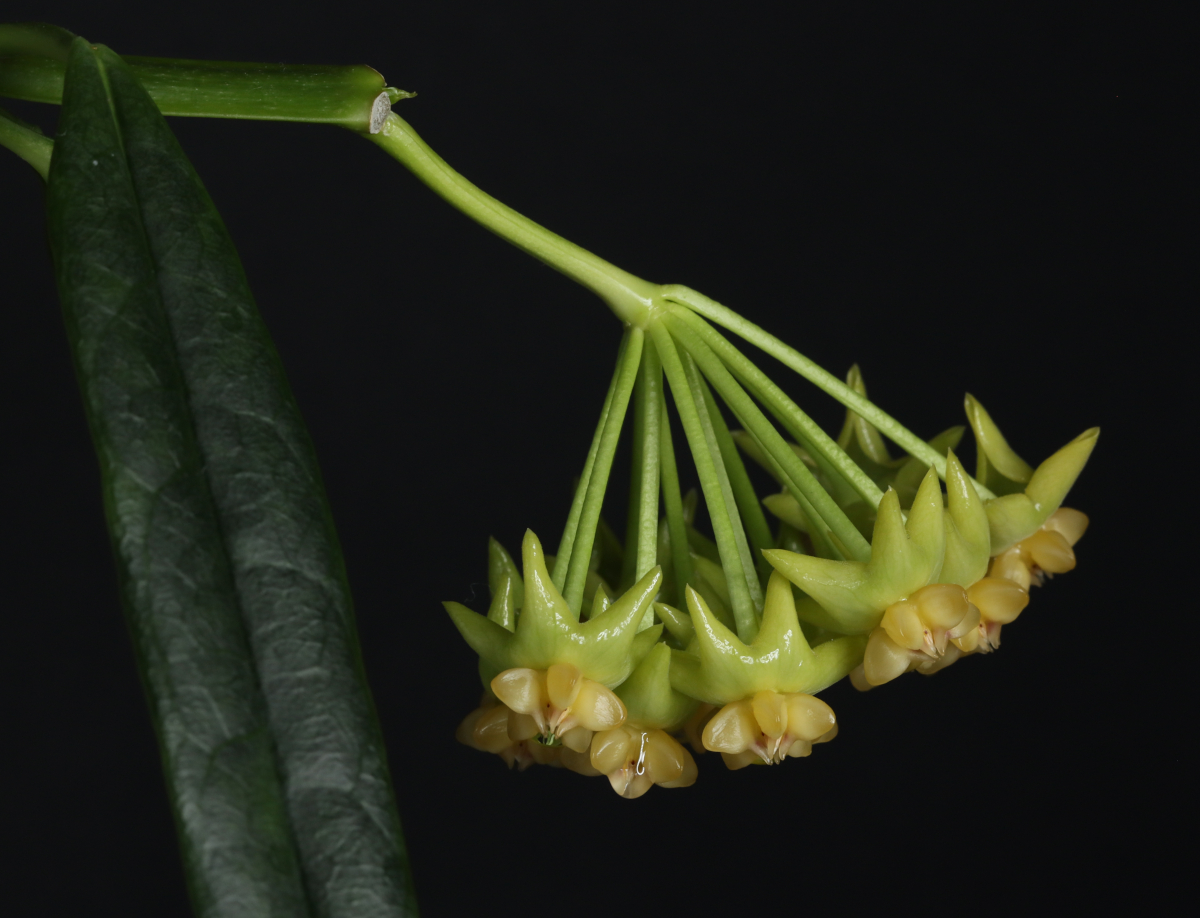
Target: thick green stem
[(566, 544), (631, 298), (27, 143), (821, 378), (750, 415), (681, 559), (585, 536), (721, 510), (355, 96)]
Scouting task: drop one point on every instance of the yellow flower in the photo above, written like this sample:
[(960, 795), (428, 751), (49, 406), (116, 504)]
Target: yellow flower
[(556, 705), (530, 625), (1050, 550), (768, 728), (636, 756), (486, 729)]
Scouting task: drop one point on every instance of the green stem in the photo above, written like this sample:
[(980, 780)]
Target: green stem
[(634, 505), (567, 543), (819, 534), (631, 298), (748, 503), (821, 378), (795, 470), (650, 411), (585, 536), (355, 96), (705, 453), (696, 383), (823, 448), (681, 559), (641, 534), (26, 142)]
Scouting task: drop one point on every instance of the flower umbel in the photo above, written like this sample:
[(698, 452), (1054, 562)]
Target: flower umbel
[(597, 658)]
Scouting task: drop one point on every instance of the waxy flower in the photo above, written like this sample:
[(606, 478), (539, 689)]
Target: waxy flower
[(1050, 550), (635, 757), (1027, 497), (556, 705), (486, 729), (775, 675), (641, 752), (768, 728), (547, 632), (935, 545)]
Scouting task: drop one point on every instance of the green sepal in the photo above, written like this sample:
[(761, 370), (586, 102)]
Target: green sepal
[(503, 609), (487, 638), (968, 534), (788, 509), (790, 538), (643, 642), (720, 668), (678, 623), (702, 545), (1014, 517), (860, 439), (715, 593), (911, 472), (714, 575), (997, 466), (904, 558), (648, 695), (501, 565), (600, 603), (547, 632), (611, 553)]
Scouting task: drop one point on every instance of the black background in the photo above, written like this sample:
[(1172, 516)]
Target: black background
[(961, 201)]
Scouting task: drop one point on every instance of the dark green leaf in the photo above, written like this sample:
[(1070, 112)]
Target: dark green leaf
[(231, 573)]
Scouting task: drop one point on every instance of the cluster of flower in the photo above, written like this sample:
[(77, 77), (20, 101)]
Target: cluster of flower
[(613, 692)]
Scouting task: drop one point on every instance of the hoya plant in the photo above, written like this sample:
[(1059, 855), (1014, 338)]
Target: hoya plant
[(698, 635)]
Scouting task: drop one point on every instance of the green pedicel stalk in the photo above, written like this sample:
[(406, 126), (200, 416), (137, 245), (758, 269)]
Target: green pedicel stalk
[(589, 517), (817, 375), (567, 544)]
